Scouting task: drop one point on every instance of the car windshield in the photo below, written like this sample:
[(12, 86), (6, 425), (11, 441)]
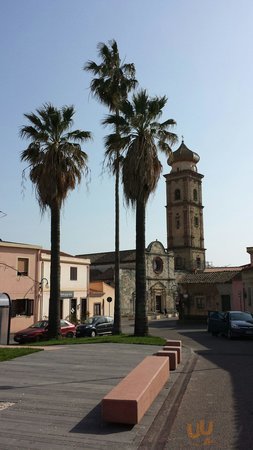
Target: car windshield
[(41, 324), (241, 316), (91, 320)]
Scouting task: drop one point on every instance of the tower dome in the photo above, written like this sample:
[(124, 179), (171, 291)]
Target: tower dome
[(183, 159)]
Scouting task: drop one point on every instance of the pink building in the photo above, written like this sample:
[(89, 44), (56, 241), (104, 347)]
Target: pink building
[(25, 276), (19, 278)]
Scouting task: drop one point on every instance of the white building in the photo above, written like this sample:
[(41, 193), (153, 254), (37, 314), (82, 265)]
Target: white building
[(74, 286)]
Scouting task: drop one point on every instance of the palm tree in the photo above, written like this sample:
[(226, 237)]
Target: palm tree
[(111, 85), (56, 164), (141, 135)]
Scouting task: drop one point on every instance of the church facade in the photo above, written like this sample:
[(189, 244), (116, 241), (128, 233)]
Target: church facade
[(185, 252), (161, 284)]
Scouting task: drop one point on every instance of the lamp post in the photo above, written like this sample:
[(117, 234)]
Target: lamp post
[(41, 294)]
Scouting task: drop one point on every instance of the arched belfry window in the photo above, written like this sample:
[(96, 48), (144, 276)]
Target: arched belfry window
[(177, 194), (195, 195)]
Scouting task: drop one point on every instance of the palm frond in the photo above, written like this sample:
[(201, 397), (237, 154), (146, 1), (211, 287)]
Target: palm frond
[(56, 160), (78, 135)]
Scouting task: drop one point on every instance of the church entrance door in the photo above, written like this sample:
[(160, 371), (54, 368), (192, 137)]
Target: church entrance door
[(158, 303)]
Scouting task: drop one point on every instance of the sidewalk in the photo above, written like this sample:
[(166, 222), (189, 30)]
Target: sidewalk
[(51, 400)]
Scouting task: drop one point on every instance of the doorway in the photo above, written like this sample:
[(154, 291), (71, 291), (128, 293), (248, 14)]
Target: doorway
[(225, 303), (158, 303), (83, 309)]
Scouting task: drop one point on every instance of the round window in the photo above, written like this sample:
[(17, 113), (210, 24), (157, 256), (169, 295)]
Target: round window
[(157, 265)]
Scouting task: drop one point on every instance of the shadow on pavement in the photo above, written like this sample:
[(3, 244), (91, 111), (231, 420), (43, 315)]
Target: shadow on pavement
[(236, 358), (92, 423)]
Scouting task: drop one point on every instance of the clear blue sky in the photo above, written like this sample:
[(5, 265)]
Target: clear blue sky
[(198, 53)]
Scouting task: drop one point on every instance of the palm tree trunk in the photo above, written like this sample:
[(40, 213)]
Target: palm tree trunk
[(141, 320), (117, 304), (54, 301)]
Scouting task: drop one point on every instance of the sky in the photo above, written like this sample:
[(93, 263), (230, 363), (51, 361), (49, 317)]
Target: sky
[(197, 53)]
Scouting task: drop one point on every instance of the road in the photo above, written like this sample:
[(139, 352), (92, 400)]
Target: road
[(216, 408)]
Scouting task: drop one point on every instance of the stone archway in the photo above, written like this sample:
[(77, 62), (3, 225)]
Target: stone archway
[(157, 295)]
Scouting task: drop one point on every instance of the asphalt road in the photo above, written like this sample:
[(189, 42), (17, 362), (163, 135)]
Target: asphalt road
[(216, 407)]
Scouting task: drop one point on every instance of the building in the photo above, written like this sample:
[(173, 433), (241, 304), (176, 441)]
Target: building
[(20, 279), (25, 277), (101, 299), (161, 284), (216, 289), (74, 283), (199, 288), (247, 279), (184, 210)]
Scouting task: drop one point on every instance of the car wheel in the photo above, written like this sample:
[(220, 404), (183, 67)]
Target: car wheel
[(70, 334), (38, 338), (93, 333)]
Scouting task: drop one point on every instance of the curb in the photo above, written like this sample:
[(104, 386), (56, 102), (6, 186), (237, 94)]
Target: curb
[(158, 433)]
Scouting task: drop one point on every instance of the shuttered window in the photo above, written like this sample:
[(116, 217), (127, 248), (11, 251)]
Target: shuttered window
[(23, 266), (73, 273)]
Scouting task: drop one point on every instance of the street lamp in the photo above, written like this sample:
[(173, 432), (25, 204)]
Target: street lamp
[(41, 294), (41, 283)]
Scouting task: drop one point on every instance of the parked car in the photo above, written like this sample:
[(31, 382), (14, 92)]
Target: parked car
[(95, 325), (232, 324), (38, 331)]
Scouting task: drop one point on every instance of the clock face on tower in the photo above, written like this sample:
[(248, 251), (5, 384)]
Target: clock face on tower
[(157, 265)]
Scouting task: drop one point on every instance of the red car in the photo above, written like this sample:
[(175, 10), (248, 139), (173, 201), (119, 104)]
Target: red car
[(38, 331)]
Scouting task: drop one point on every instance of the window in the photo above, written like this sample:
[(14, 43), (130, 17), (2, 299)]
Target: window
[(97, 309), (157, 265), (196, 221), (73, 273), (195, 195), (22, 307), (177, 194), (23, 266), (198, 262), (200, 302)]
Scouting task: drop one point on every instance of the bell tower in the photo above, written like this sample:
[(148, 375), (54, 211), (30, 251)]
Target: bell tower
[(185, 230)]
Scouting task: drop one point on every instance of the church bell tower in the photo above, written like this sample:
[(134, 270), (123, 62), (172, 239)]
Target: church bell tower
[(185, 230)]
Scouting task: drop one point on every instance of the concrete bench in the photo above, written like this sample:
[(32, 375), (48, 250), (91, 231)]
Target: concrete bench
[(173, 343), (172, 355), (175, 349), (130, 399)]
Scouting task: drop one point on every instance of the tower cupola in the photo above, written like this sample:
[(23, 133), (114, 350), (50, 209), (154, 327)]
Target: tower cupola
[(183, 159)]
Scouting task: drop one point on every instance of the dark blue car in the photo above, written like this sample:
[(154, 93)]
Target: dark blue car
[(94, 326), (231, 324)]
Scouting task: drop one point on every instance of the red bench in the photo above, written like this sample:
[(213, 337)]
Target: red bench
[(175, 349), (130, 399), (173, 343), (172, 355)]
